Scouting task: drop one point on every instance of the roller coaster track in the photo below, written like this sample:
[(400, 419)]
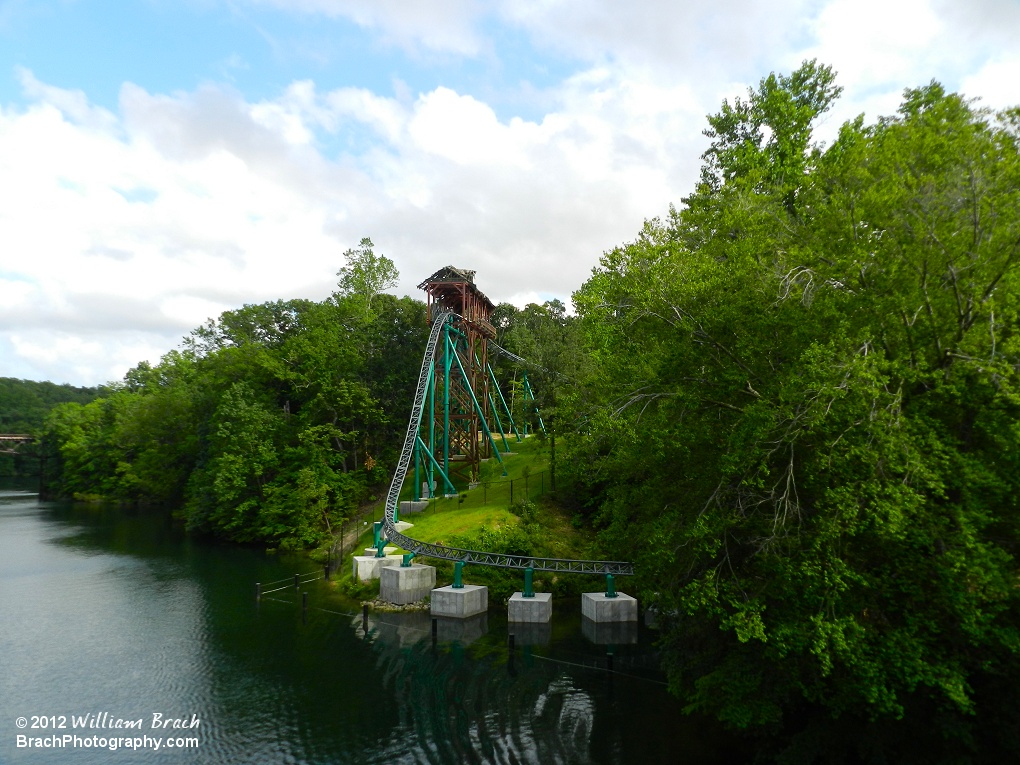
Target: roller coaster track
[(479, 557)]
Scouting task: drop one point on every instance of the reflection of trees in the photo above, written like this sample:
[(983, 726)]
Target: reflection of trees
[(474, 704), (459, 708)]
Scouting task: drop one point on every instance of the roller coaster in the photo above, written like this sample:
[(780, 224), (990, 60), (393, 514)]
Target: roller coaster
[(454, 393)]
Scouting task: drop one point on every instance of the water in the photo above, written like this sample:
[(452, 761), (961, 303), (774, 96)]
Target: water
[(107, 610)]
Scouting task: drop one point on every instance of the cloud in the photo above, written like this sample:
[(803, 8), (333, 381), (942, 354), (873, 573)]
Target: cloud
[(995, 82), (180, 206), (124, 228)]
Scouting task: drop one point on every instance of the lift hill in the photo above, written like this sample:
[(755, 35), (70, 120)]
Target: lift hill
[(455, 422)]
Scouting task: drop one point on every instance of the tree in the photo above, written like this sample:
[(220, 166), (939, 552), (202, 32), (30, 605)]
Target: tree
[(366, 274), (765, 141), (800, 417)]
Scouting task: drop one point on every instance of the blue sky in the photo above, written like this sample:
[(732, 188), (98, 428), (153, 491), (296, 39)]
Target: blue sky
[(161, 162), (95, 45)]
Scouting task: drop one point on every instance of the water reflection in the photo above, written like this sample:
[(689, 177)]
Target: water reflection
[(104, 609)]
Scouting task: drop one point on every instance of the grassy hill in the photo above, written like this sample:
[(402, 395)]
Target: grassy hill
[(486, 518)]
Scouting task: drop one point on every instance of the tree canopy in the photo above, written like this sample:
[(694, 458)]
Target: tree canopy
[(270, 424), (801, 414)]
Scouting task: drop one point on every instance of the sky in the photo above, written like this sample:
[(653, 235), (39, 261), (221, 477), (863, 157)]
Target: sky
[(162, 161)]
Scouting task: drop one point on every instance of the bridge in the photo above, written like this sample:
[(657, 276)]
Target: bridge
[(455, 401), (9, 442)]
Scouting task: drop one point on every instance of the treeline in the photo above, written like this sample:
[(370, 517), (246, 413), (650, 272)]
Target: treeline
[(270, 424), (24, 405), (799, 416)]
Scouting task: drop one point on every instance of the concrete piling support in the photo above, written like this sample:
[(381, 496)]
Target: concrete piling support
[(600, 607), (460, 602), (367, 567), (536, 609), (406, 584)]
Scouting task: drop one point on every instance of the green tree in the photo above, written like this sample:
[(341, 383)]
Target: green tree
[(801, 421), (365, 273), (765, 140)]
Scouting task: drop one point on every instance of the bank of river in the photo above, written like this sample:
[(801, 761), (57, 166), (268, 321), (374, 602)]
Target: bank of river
[(111, 614)]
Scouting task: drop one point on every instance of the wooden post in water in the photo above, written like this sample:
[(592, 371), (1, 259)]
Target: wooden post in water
[(296, 583), (258, 592)]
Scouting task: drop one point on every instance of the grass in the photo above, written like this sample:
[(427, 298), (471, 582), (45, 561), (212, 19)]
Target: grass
[(480, 518), (527, 478)]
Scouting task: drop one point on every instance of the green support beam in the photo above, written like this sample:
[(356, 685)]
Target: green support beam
[(529, 392), (506, 409), (449, 484), (481, 414)]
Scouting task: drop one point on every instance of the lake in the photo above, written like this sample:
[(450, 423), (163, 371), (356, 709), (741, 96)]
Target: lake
[(124, 640)]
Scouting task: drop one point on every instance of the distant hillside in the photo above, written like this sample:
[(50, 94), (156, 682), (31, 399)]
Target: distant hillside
[(24, 403)]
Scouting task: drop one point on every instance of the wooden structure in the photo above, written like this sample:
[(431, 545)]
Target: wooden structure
[(457, 435)]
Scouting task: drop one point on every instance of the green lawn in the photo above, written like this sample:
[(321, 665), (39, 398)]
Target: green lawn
[(479, 517), (527, 477)]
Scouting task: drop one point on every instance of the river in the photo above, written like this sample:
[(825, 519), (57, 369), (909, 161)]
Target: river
[(114, 615)]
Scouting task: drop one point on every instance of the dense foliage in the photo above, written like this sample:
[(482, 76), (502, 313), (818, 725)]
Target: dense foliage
[(23, 408), (25, 403), (802, 416), (270, 424)]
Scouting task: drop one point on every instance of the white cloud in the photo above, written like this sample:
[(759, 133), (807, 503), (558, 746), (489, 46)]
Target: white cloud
[(122, 230), (184, 205), (70, 357), (995, 83), (873, 43), (700, 42)]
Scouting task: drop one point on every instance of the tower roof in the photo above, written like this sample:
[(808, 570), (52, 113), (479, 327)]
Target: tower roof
[(450, 274)]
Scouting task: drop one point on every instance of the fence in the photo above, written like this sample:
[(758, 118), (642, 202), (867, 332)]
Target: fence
[(498, 491)]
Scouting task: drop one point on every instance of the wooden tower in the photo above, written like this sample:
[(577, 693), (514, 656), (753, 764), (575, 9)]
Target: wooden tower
[(456, 436)]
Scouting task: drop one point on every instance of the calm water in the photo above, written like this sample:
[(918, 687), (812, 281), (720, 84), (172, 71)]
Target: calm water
[(114, 611)]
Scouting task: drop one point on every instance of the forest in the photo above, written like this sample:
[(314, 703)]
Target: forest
[(24, 405), (793, 401)]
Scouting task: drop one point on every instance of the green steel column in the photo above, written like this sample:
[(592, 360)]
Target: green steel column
[(529, 588), (492, 403), (610, 586), (458, 568), (509, 415), (524, 397), (506, 445), (448, 364), (432, 425), (481, 414), (446, 479), (529, 392), (406, 560)]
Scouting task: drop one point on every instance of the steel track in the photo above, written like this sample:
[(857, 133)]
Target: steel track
[(443, 552)]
